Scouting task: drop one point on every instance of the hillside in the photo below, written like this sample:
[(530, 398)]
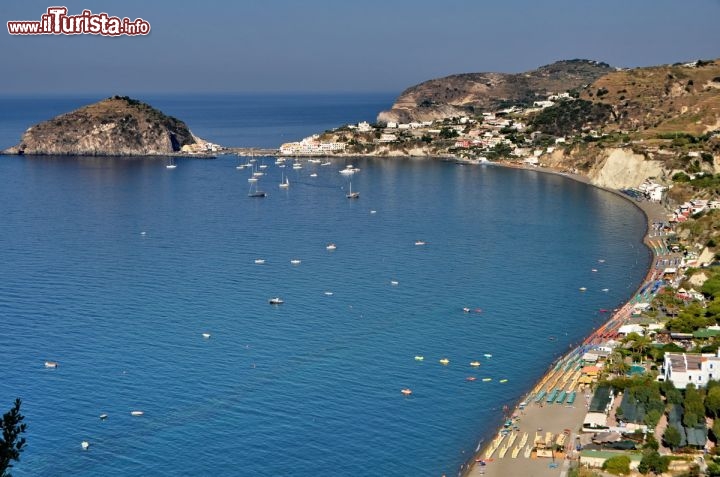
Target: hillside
[(661, 99), (465, 94), (114, 126)]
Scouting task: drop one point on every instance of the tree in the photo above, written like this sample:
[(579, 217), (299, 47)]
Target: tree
[(11, 444), (716, 430), (694, 410), (712, 402), (652, 418), (620, 464), (653, 462), (672, 437)]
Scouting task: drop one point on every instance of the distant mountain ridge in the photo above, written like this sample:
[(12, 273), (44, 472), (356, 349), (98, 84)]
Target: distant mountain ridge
[(116, 126), (467, 93)]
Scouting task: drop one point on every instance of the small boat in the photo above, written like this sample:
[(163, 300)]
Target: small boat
[(351, 194), (325, 163), (594, 270), (258, 174), (331, 246), (373, 211), (84, 445), (406, 391), (137, 413), (328, 293), (252, 179), (444, 361), (257, 194), (297, 165), (487, 355), (583, 288), (171, 165), (206, 335), (259, 261), (419, 358), (602, 260), (487, 379), (419, 242), (503, 380), (470, 378), (466, 309), (314, 174), (103, 417), (276, 301), (254, 192), (605, 290), (262, 166), (295, 261), (285, 183), (394, 283), (475, 363), (349, 170), (51, 364)]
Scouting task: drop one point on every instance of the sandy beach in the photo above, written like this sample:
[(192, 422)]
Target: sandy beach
[(509, 453)]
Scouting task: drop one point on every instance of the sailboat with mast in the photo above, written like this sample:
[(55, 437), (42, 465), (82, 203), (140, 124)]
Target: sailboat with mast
[(351, 194), (255, 192), (285, 182)]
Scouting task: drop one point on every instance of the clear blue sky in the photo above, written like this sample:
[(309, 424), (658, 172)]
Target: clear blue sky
[(336, 45)]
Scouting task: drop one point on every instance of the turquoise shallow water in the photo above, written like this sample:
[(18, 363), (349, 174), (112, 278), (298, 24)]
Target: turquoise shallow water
[(311, 387)]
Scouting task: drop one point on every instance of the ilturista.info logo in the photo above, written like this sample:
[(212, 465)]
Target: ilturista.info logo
[(57, 22)]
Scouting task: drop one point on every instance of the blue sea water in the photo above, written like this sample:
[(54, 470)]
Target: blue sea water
[(115, 267)]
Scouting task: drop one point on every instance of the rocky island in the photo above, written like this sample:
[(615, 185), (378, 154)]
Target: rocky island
[(116, 126)]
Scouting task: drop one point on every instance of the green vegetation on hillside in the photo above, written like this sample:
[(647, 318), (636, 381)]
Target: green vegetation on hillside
[(569, 117)]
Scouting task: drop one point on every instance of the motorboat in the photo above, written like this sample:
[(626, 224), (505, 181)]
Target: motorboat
[(394, 283), (487, 379), (475, 363), (503, 380), (406, 391), (331, 246), (206, 335), (137, 413), (583, 288), (444, 361), (84, 445), (259, 261), (470, 378), (103, 417), (487, 355), (51, 364), (295, 261), (314, 174), (328, 293), (420, 242), (419, 358), (276, 301)]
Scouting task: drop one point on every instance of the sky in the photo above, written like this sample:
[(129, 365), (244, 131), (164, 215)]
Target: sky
[(340, 46)]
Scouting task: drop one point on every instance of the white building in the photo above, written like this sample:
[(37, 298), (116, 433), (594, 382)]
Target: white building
[(364, 127), (685, 368), (310, 146)]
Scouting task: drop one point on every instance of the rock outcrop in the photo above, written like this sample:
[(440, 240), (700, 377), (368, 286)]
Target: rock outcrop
[(117, 126), (464, 94)]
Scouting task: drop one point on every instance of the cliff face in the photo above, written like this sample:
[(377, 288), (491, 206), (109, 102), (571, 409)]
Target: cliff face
[(112, 127), (465, 94)]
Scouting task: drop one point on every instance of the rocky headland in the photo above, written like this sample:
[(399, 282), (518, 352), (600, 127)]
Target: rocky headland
[(116, 126)]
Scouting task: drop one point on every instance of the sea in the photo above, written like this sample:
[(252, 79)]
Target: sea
[(115, 268)]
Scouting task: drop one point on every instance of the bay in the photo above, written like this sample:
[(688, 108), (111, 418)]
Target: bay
[(115, 267)]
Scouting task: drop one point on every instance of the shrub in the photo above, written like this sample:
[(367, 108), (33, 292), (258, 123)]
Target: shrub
[(620, 464)]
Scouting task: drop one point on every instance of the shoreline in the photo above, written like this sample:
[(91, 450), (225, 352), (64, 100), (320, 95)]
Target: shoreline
[(471, 467)]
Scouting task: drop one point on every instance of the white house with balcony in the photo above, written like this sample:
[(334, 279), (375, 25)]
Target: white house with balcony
[(685, 368)]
